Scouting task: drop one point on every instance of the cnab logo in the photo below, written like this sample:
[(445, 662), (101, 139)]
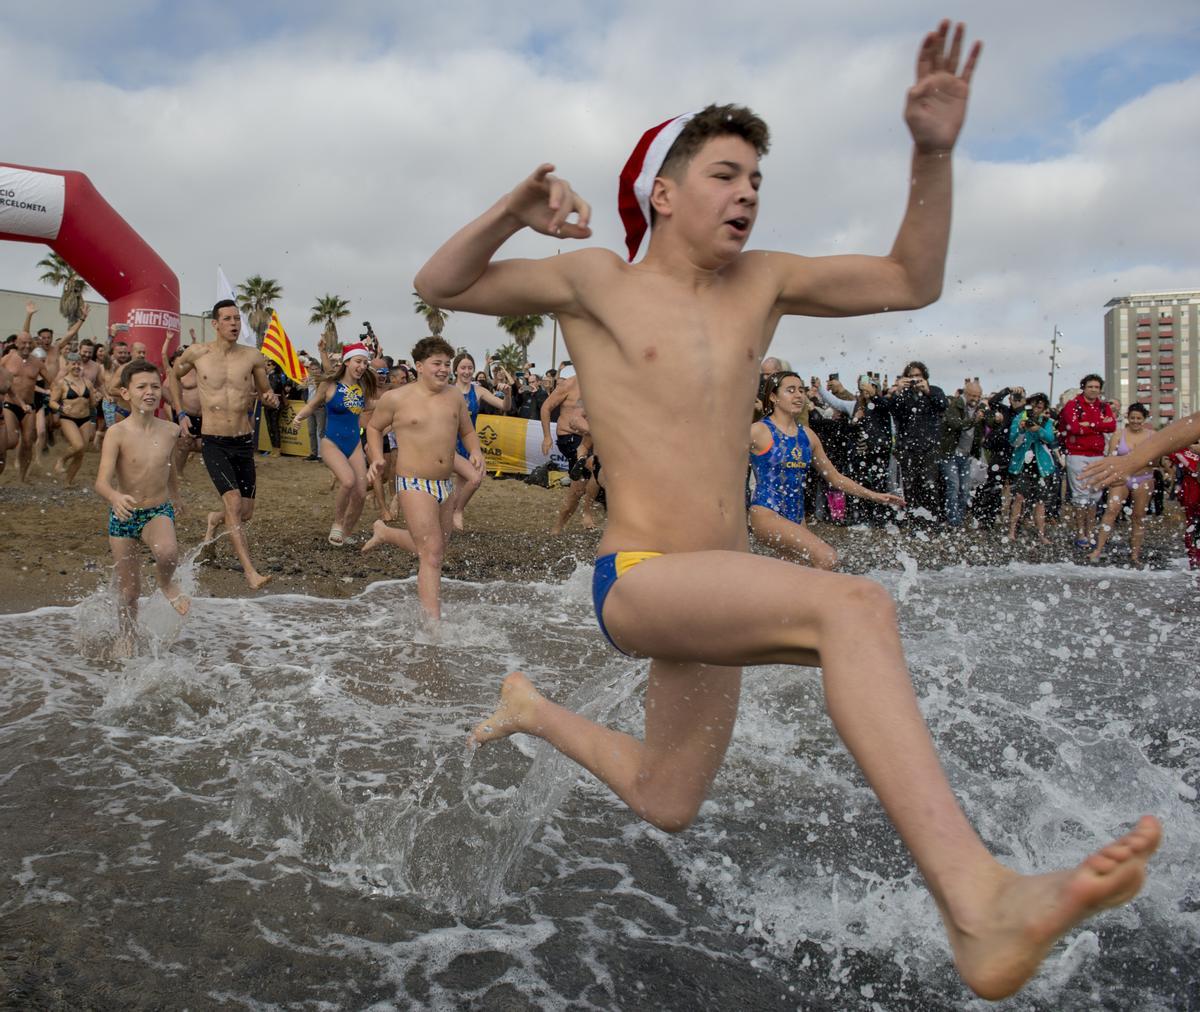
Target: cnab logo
[(488, 436)]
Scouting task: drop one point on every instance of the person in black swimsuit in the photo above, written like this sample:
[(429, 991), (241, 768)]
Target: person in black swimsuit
[(74, 401)]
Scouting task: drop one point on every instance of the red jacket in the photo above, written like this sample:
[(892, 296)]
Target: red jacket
[(1189, 487), (1084, 425)]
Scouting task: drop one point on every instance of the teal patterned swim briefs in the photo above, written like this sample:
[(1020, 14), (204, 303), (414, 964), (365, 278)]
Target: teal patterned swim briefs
[(132, 528)]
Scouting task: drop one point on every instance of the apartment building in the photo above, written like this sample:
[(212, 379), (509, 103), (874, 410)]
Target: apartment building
[(1152, 352)]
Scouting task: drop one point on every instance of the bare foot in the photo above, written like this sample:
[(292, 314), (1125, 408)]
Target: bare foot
[(386, 515), (58, 466), (1094, 556), (257, 580), (458, 520), (586, 520), (376, 538), (516, 712), (1027, 914), (178, 600), (215, 520), (1043, 540)]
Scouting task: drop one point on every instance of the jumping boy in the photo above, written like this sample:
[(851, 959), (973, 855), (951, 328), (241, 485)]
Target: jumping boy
[(138, 452), (675, 581), (427, 417)]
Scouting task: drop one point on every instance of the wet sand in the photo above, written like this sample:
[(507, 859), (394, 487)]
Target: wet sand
[(55, 544)]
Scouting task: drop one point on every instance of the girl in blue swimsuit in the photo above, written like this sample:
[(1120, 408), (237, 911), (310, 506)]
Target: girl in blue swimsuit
[(348, 396), (782, 453), (467, 479)]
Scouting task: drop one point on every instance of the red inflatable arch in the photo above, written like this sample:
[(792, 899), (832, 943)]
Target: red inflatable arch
[(64, 210)]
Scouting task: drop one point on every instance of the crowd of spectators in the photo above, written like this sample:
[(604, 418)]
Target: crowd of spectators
[(960, 459), (966, 459)]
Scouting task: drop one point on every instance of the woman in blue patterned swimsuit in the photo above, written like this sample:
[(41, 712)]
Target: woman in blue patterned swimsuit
[(348, 396), (467, 479), (782, 452)]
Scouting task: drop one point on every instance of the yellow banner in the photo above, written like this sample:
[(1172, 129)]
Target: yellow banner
[(503, 440), (293, 444)]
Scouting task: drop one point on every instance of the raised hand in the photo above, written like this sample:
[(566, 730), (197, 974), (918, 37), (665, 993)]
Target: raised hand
[(937, 102), (544, 202), (30, 308)]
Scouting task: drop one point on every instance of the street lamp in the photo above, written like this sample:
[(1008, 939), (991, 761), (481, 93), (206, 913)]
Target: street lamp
[(1054, 359)]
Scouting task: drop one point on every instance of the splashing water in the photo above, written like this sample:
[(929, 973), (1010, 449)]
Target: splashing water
[(272, 804)]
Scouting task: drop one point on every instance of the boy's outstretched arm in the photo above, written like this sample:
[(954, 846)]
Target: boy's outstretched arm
[(911, 275), (1114, 470), (462, 276)]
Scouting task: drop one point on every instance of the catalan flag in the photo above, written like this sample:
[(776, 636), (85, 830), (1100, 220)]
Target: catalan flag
[(278, 348)]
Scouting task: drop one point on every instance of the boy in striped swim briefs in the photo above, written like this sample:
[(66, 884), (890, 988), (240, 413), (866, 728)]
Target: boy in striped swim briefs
[(428, 418)]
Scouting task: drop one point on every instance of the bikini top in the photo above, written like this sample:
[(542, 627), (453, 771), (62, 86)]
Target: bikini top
[(1124, 448)]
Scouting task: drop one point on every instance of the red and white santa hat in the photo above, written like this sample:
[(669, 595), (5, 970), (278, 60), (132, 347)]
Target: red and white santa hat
[(637, 178), (356, 350)]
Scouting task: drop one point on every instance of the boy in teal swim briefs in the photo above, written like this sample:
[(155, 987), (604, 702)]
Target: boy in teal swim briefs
[(138, 456), (667, 352)]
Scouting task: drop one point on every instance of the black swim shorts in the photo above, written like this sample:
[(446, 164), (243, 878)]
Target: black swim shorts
[(230, 463), (16, 409), (41, 400), (568, 446)]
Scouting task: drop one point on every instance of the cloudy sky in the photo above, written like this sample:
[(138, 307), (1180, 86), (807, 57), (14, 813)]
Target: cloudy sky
[(333, 147)]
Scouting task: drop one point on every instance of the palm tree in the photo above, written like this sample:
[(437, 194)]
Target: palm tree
[(328, 310), (56, 271), (511, 356), (521, 329), (435, 318), (255, 297)]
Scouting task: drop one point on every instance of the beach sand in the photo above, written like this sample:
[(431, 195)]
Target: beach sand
[(55, 544)]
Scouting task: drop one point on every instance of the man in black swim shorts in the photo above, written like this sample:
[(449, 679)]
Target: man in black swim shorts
[(228, 377), (572, 427)]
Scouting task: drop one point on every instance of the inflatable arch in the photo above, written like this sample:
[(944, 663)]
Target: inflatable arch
[(64, 210)]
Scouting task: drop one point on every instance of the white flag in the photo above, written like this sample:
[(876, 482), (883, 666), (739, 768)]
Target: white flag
[(246, 336)]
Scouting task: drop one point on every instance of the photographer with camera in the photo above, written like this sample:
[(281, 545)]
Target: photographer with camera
[(368, 339), (962, 442), (870, 450), (989, 502), (1031, 468), (918, 409)]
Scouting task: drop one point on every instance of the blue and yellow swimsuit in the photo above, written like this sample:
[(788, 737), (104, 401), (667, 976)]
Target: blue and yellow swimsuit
[(610, 568), (780, 471), (341, 420), (472, 399)]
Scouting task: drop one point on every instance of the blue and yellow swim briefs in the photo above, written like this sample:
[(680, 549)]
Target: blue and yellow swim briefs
[(609, 568)]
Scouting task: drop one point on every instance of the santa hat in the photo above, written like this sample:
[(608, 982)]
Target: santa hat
[(357, 350), (637, 178)]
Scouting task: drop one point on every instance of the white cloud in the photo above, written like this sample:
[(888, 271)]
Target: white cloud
[(335, 153)]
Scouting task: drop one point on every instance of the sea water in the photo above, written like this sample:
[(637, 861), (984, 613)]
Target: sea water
[(270, 805)]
